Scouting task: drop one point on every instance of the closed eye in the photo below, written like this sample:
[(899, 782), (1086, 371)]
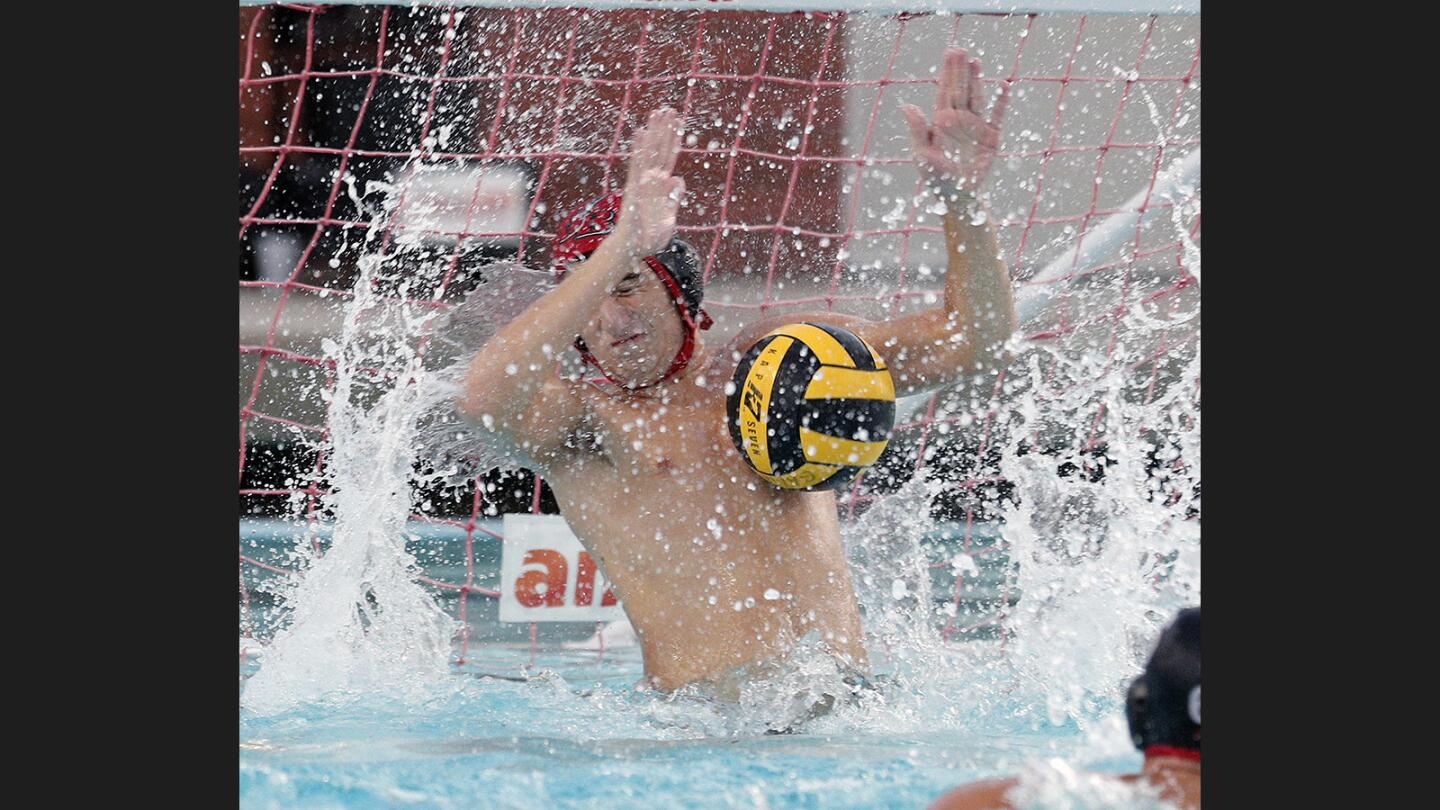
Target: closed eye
[(628, 284)]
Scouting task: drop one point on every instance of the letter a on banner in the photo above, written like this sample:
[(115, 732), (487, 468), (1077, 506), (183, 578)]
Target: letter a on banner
[(546, 575)]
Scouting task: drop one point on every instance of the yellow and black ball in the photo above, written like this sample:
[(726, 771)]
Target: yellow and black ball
[(810, 406)]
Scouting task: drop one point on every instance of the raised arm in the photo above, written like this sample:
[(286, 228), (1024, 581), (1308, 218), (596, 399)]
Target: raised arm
[(953, 150), (510, 387)]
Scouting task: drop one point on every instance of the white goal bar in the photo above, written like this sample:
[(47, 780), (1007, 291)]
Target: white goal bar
[(1174, 7), (1109, 234)]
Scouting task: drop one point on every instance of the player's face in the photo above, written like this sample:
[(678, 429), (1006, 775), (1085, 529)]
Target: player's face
[(637, 332)]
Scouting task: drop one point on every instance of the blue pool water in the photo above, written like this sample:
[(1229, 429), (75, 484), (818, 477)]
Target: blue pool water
[(528, 726), (577, 734)]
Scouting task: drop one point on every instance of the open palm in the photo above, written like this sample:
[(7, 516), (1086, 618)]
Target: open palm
[(956, 147), (652, 192)]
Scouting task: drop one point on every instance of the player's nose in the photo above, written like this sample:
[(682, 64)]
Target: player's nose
[(617, 321)]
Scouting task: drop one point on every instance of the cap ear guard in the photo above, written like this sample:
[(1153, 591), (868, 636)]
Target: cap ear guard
[(682, 261), (1162, 705), (1137, 701)]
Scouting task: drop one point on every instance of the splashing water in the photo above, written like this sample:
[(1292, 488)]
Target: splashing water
[(1101, 443), (1055, 784), (1101, 561), (453, 450), (360, 622), (1106, 551)]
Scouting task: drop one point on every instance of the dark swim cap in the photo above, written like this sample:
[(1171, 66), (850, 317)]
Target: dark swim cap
[(1163, 704)]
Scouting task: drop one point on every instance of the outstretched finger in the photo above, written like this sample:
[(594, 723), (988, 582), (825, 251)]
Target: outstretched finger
[(645, 158), (672, 143), (1001, 104), (636, 164), (942, 91), (640, 144), (919, 128), (659, 138), (956, 65), (977, 94)]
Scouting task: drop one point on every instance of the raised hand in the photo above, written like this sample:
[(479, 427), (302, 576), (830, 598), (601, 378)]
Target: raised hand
[(955, 148), (652, 192)]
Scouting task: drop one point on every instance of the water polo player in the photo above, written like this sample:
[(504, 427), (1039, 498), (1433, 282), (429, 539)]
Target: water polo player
[(720, 573), (1162, 708)]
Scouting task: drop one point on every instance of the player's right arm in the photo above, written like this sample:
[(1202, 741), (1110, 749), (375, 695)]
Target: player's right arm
[(510, 389), (968, 332)]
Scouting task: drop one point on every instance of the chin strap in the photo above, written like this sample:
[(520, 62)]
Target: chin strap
[(687, 348)]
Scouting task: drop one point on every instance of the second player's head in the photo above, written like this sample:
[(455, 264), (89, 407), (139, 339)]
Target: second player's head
[(1163, 704)]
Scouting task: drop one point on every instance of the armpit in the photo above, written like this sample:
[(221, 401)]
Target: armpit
[(588, 436)]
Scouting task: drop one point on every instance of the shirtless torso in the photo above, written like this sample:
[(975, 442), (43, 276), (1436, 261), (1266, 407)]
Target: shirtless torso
[(715, 567)]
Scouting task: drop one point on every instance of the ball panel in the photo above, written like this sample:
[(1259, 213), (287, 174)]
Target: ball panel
[(866, 420), (754, 402), (875, 356), (860, 353), (821, 448), (806, 477), (784, 409), (737, 392), (734, 399), (826, 347), (836, 382)]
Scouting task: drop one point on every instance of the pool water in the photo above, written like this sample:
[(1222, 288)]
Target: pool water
[(576, 733), (524, 723)]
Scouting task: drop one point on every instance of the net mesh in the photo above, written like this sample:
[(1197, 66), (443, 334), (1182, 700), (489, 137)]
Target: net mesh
[(803, 196)]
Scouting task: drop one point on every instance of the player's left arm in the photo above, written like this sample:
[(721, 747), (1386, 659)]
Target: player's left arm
[(954, 151), (937, 346)]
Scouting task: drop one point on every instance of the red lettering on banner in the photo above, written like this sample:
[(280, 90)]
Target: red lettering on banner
[(552, 576), (585, 580), (585, 584)]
